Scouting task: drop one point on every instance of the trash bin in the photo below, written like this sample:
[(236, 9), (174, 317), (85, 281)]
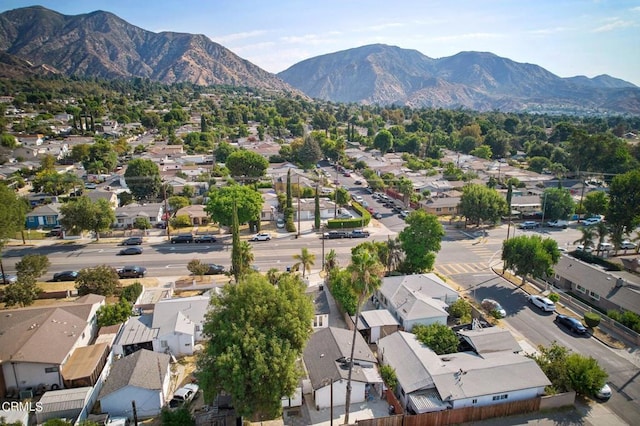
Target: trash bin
[(392, 409), (288, 268)]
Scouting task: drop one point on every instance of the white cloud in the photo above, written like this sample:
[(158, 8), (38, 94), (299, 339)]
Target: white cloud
[(546, 31), (468, 36), (239, 36), (614, 24)]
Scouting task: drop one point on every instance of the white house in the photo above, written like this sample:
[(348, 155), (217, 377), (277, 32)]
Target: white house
[(416, 299), (430, 382), (179, 323), (126, 215), (36, 342), (325, 359), (143, 377)]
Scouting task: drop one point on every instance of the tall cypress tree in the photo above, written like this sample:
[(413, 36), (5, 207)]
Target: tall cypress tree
[(317, 211), (236, 257), (289, 197)]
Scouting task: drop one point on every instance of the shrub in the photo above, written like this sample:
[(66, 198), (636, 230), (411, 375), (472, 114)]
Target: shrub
[(132, 292), (591, 319), (554, 297), (460, 309), (389, 376)]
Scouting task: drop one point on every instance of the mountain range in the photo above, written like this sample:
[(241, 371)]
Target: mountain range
[(36, 41)]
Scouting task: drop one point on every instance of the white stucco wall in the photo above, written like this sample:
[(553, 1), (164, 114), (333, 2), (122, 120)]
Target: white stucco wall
[(488, 399), (178, 343), (323, 395), (118, 404), (30, 375)]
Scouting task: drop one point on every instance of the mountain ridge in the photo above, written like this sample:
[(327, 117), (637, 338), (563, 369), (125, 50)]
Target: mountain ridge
[(476, 80), (100, 44), (36, 40)]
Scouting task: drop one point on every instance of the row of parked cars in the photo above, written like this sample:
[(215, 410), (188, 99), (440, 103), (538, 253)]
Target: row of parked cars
[(356, 233)]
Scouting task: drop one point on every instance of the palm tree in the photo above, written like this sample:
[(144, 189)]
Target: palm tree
[(273, 275), (246, 257), (366, 271), (394, 254), (331, 260), (304, 259), (601, 231), (588, 234)]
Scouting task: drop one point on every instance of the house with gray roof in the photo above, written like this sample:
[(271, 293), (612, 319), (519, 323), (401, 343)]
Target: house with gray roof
[(179, 324), (36, 342), (325, 359), (143, 377), (416, 299), (607, 290), (429, 382), (127, 215), (490, 340), (321, 307), (377, 323), (135, 334), (45, 216)]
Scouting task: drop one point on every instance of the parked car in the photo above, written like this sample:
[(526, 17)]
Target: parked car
[(605, 247), (604, 394), (493, 306), (215, 269), (358, 182), (331, 235), (558, 224), (204, 239), (592, 220), (132, 241), (262, 236), (573, 324), (131, 271), (130, 251), (56, 231), (280, 223), (404, 214), (65, 276), (9, 278), (184, 395), (627, 245), (357, 198), (542, 302), (377, 215), (529, 224), (357, 233), (587, 249), (346, 174), (182, 238)]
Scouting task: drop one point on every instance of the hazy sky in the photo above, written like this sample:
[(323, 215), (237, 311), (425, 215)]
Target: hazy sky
[(567, 37)]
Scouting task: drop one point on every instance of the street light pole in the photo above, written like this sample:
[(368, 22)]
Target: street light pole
[(322, 229)]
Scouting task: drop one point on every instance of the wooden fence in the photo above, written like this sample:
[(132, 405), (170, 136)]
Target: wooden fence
[(458, 415)]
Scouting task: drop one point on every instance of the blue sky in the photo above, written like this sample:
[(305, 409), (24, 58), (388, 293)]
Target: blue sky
[(567, 37)]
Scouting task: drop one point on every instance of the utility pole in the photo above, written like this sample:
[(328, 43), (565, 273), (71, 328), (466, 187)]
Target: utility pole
[(135, 412), (166, 211), (299, 194), (322, 228)]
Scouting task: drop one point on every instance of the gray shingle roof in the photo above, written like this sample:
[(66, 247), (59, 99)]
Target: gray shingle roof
[(330, 344), (491, 339), (143, 369)]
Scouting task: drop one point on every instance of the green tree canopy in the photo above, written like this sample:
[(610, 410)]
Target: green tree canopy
[(310, 152), (143, 179), (624, 202), (32, 265), (102, 279), (102, 157), (530, 255), (253, 362), (420, 240), (596, 202), (114, 313), (383, 141), (557, 203), (221, 200), (245, 164), (23, 292), (480, 203), (305, 259), (570, 371), (438, 337), (82, 214), (177, 202)]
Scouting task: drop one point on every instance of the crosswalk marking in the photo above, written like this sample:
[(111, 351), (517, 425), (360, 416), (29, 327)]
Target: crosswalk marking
[(461, 268)]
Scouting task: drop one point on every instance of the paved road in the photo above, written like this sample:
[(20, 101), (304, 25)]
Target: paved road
[(467, 262)]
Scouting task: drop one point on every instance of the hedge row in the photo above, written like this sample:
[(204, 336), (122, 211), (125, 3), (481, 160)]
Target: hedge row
[(359, 222), (593, 259)]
